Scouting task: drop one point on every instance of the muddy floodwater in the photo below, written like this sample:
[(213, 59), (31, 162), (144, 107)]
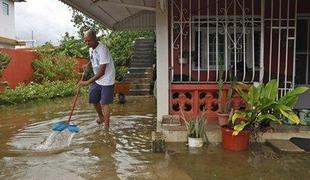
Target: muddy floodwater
[(30, 150)]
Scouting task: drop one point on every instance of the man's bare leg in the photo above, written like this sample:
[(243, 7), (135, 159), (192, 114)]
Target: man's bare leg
[(99, 112), (106, 114)]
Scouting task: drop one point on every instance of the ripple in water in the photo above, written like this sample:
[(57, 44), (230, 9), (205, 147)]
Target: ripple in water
[(56, 140)]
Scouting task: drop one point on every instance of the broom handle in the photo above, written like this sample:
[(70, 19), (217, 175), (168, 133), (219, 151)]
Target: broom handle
[(76, 97)]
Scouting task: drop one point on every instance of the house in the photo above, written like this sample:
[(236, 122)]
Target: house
[(198, 40), (7, 24)]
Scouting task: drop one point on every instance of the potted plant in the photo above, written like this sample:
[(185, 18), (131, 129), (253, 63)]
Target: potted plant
[(121, 87), (196, 130), (263, 107), (225, 108)]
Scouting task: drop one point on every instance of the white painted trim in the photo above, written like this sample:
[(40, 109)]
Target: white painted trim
[(126, 5), (262, 40), (162, 62), (163, 5)]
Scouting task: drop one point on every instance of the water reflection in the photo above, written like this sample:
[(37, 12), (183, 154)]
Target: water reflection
[(124, 151)]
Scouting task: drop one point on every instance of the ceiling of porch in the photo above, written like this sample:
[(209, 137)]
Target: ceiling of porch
[(118, 14)]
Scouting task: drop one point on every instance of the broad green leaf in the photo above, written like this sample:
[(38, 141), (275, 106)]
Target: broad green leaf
[(288, 99), (297, 91), (241, 92), (237, 115), (271, 90), (238, 128), (288, 112), (269, 116)]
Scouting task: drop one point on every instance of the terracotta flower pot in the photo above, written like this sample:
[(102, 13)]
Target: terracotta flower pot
[(222, 119), (235, 143), (122, 87)]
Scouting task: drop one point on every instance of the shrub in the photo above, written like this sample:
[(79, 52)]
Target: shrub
[(4, 61), (54, 68), (47, 90)]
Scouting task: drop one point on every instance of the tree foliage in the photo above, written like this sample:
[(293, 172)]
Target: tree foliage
[(72, 47), (84, 23), (120, 43)]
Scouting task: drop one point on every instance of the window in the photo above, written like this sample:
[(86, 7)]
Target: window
[(303, 51), (204, 49), (221, 46), (5, 8)]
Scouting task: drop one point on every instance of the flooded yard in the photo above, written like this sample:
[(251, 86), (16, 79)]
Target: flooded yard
[(123, 152)]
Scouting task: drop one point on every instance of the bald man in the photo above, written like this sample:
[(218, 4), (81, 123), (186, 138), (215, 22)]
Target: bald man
[(101, 89)]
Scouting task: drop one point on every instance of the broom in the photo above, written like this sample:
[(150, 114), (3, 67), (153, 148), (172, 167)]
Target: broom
[(60, 126)]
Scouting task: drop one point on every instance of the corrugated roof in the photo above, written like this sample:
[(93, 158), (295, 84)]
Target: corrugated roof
[(118, 14)]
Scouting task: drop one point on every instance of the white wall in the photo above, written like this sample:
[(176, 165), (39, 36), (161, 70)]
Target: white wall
[(162, 62), (7, 23)]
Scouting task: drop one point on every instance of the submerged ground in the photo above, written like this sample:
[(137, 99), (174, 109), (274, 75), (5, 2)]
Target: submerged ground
[(123, 152)]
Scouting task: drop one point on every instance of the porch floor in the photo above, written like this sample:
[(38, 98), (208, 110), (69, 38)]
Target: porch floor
[(177, 133), (283, 146)]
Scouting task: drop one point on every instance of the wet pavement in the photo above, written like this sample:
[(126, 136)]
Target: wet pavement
[(123, 151)]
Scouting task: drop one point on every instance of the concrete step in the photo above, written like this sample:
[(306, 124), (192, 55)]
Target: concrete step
[(138, 55), (142, 56), (140, 86), (140, 70), (144, 47), (139, 80), (146, 43), (141, 64), (141, 67), (283, 146), (140, 60), (139, 75), (144, 51), (147, 61), (139, 92), (144, 40)]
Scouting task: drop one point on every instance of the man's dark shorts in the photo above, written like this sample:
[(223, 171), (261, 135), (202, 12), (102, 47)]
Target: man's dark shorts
[(99, 94)]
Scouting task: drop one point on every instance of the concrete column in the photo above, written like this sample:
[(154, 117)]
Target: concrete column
[(162, 62)]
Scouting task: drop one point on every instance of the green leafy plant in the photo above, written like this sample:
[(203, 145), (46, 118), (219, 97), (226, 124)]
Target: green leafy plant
[(225, 108), (195, 125), (34, 91), (4, 61), (54, 67), (263, 107), (72, 47)]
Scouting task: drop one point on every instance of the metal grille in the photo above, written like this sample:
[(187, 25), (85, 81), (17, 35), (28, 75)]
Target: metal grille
[(216, 36), (251, 40)]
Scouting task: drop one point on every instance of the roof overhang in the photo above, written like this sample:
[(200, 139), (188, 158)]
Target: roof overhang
[(11, 42), (118, 14), (18, 0)]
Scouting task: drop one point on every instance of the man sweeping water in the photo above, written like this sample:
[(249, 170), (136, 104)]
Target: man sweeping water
[(101, 89)]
